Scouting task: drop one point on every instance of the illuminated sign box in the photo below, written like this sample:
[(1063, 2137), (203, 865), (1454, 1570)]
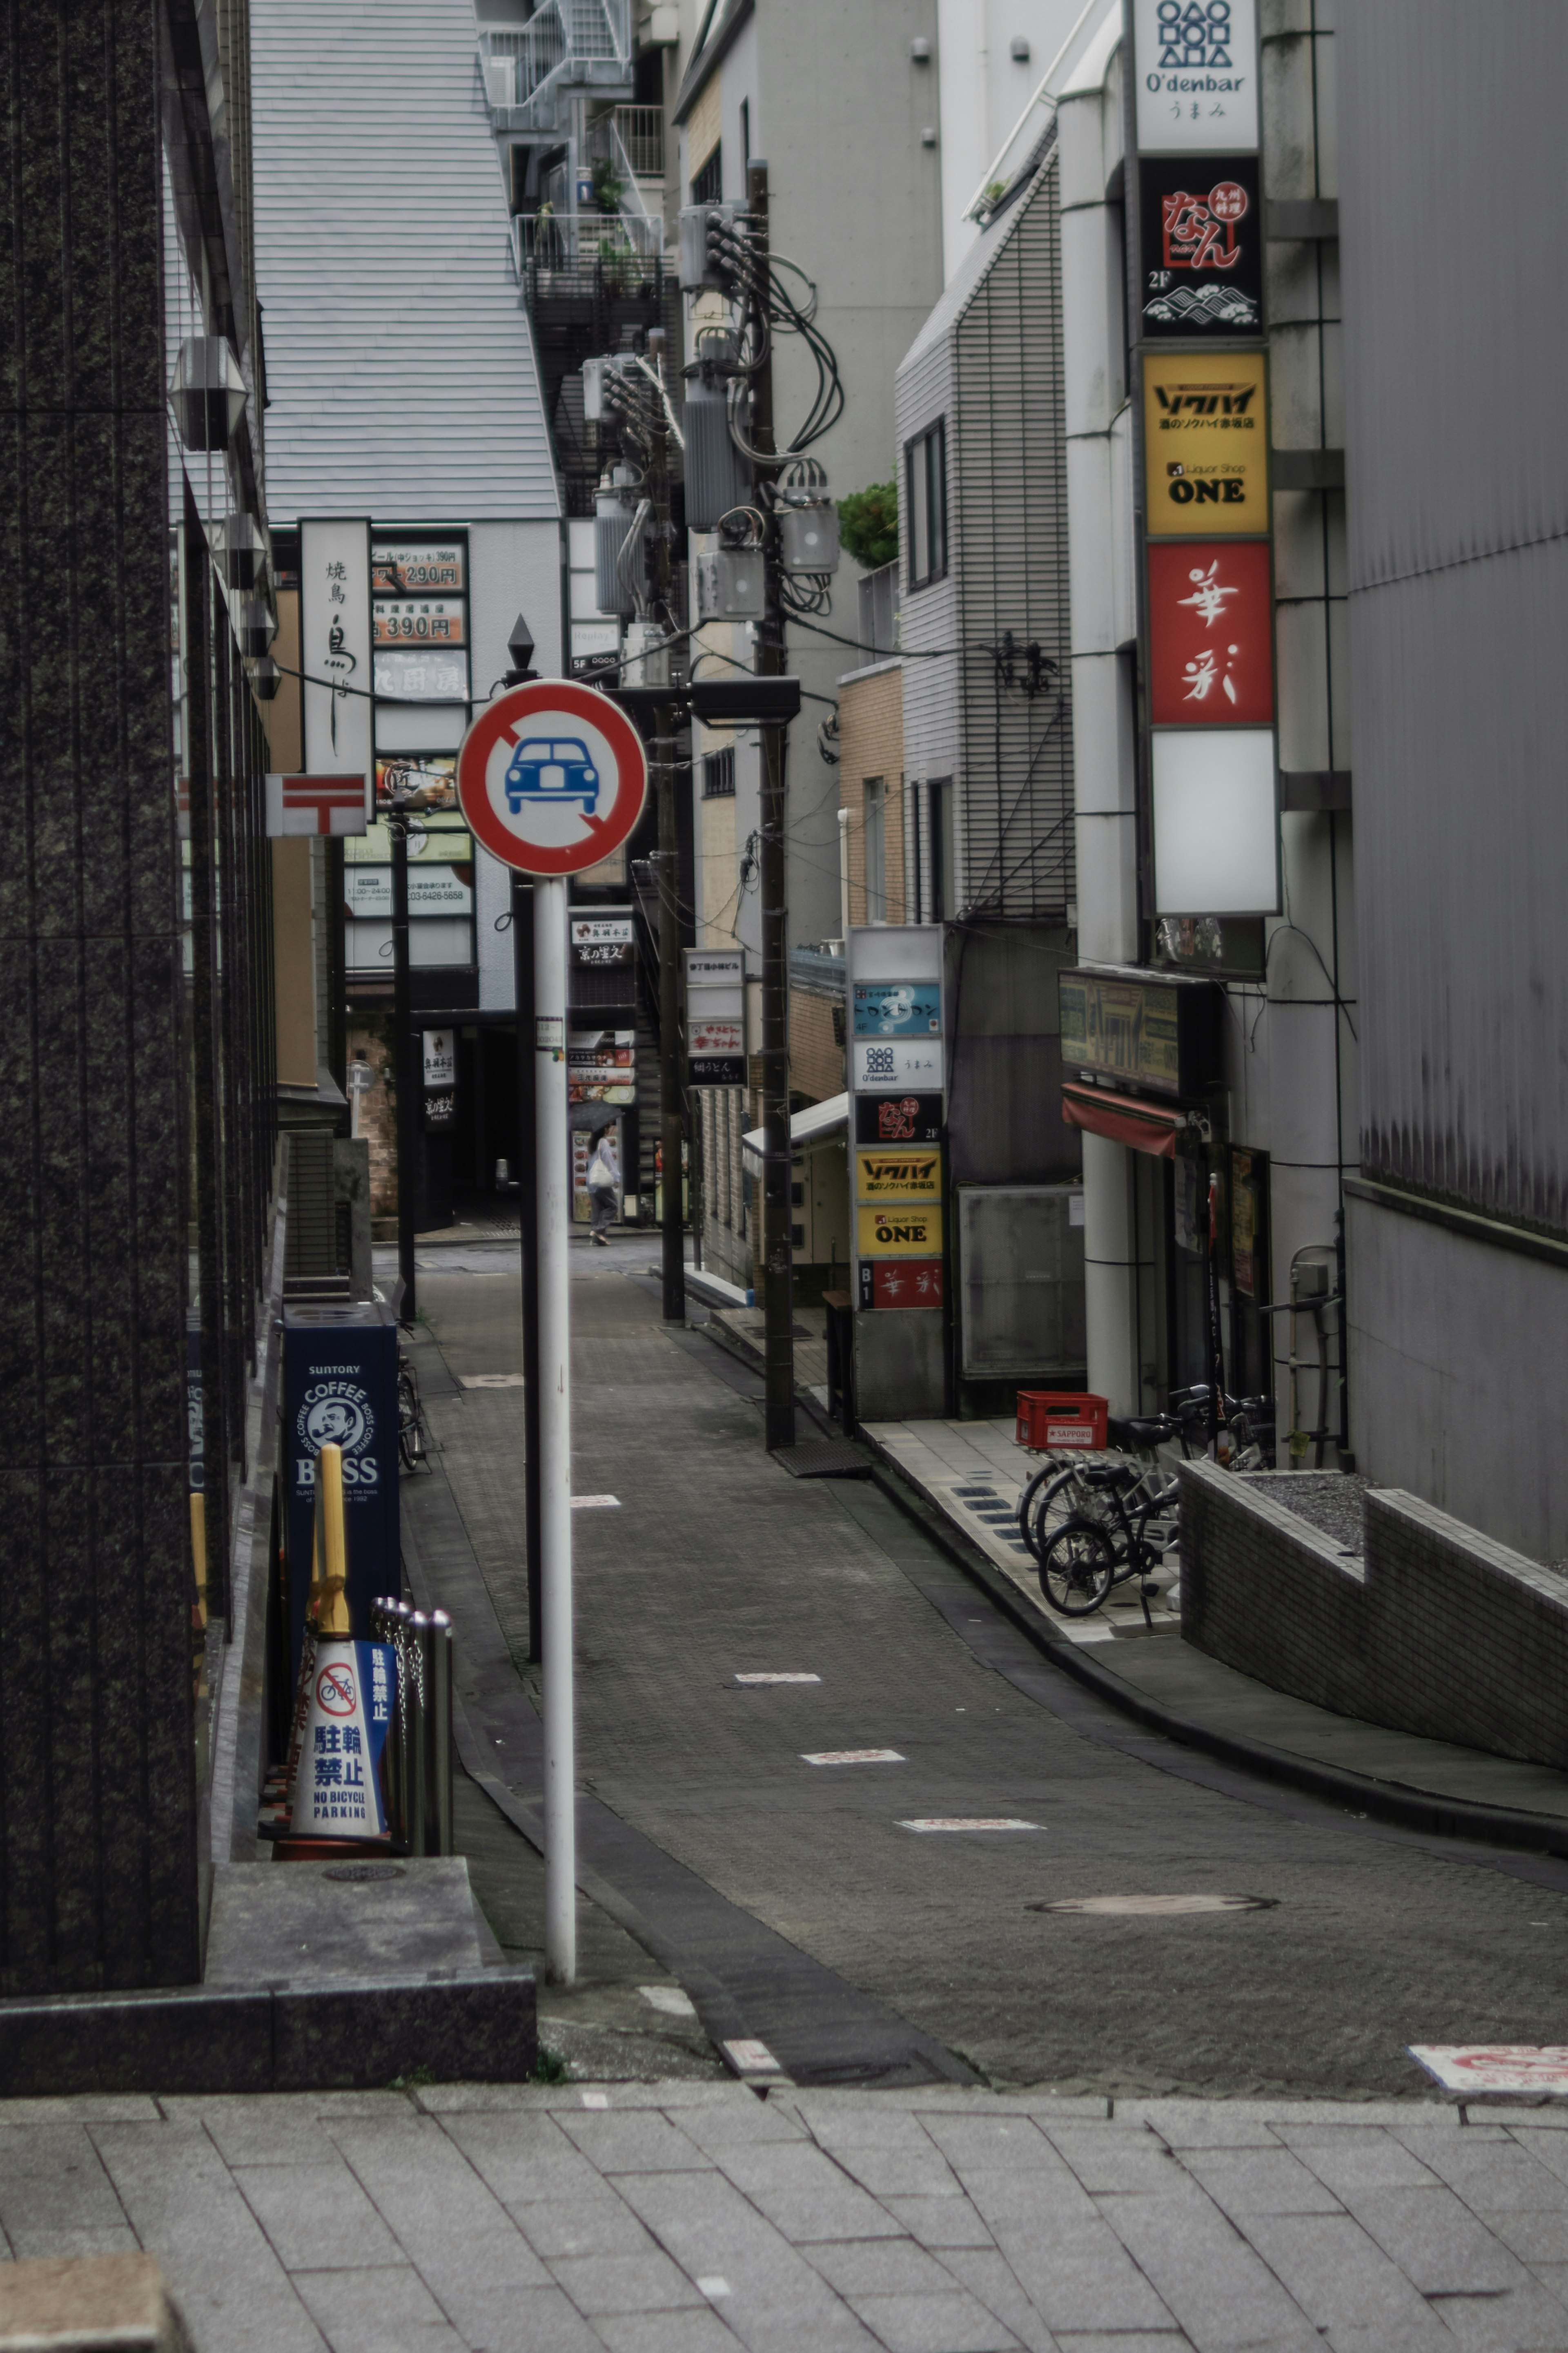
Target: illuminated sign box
[(1161, 1035), (1206, 443), (1216, 828)]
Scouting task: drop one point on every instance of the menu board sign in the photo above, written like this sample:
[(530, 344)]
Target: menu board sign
[(1159, 1034), (417, 621), (409, 567)]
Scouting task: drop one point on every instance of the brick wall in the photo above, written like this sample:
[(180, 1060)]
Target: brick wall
[(815, 1055), (872, 743), (1436, 1631)]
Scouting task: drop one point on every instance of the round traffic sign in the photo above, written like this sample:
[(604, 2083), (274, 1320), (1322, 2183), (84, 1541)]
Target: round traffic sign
[(552, 778)]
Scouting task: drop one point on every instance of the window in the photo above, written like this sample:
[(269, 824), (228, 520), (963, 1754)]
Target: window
[(719, 775), (708, 185), (925, 497), (745, 132), (943, 881), (876, 851)]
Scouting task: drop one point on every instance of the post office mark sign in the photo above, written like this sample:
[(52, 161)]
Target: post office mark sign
[(552, 778)]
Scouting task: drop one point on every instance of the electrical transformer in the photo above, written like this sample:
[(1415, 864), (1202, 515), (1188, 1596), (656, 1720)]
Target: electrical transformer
[(717, 478), (614, 509)]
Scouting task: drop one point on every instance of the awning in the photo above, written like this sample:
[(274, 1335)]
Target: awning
[(811, 1125), (1141, 1126)]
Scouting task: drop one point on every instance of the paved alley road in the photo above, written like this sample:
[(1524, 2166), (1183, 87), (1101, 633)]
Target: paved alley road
[(717, 1564)]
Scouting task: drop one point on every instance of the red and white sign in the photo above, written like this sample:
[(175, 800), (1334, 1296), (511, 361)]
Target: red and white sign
[(308, 805), (1495, 2066), (552, 778), (335, 1689), (1211, 633)]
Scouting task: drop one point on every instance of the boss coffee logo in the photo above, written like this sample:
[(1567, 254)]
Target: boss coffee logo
[(336, 1411)]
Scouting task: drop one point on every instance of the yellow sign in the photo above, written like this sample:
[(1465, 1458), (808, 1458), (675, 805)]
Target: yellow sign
[(1206, 443), (911, 1174), (904, 1231)]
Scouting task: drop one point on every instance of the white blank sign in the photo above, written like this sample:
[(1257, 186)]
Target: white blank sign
[(1215, 831)]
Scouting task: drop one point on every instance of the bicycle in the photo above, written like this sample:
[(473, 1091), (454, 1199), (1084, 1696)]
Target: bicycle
[(413, 1439)]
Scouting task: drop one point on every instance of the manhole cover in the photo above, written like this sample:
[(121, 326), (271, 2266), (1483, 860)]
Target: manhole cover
[(357, 1871), (1163, 1906)]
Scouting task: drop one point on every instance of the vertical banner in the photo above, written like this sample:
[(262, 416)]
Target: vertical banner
[(335, 648)]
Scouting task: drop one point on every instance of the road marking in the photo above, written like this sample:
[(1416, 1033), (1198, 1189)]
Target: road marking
[(748, 2057), (1495, 2066), (853, 1757), (778, 1679), (712, 2285), (596, 1502), (595, 2099), (490, 1381), (1119, 1906), (968, 1822), (669, 1998)]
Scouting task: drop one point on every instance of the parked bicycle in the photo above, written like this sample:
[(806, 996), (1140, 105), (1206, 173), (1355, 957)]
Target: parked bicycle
[(413, 1439), (1121, 1517)]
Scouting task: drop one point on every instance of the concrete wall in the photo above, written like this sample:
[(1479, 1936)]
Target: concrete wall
[(1438, 1630), (1456, 1372)]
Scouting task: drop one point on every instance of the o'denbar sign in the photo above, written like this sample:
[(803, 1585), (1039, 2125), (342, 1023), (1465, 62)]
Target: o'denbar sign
[(552, 778)]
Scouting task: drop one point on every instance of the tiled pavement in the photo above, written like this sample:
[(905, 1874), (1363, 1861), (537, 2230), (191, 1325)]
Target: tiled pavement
[(686, 2217)]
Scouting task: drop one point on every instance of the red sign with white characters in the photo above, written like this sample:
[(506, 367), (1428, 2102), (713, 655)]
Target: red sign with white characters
[(900, 1283), (552, 778), (1211, 633)]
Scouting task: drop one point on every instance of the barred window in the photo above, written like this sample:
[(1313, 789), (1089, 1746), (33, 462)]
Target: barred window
[(719, 775)]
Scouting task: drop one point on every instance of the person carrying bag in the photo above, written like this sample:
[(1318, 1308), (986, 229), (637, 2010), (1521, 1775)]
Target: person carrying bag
[(604, 1189)]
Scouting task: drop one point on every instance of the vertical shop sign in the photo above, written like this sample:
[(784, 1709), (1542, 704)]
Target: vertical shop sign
[(336, 646), (1201, 249), (1205, 442), (1211, 629), (1196, 69)]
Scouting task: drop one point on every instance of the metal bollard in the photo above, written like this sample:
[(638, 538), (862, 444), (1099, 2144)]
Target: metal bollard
[(415, 1750), (439, 1734), (419, 1740)]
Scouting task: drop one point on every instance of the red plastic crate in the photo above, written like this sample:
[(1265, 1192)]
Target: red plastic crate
[(1052, 1418)]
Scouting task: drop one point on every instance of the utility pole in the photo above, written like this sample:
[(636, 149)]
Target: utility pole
[(663, 747), (403, 1059), (778, 1272)]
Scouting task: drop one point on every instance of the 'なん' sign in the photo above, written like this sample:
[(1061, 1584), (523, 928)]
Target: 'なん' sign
[(552, 778)]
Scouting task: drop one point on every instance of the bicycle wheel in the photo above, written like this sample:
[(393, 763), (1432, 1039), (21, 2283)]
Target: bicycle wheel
[(1077, 1568), (1051, 1498)]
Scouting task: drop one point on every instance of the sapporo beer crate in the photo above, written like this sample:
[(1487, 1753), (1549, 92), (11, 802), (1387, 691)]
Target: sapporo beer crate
[(1048, 1419)]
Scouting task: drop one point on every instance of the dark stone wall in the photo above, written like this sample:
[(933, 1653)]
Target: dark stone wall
[(1437, 1631), (97, 1876)]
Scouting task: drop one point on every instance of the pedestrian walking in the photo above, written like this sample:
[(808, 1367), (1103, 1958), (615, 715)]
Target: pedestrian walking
[(603, 1187)]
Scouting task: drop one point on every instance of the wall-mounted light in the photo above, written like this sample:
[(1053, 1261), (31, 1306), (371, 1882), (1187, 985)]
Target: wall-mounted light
[(920, 49), (928, 136), (265, 677), (207, 391), (253, 626), (244, 547), (1020, 50)]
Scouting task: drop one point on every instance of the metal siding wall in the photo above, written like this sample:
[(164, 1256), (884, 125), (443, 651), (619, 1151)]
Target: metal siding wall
[(929, 617), (1009, 527), (400, 364), (1459, 593)]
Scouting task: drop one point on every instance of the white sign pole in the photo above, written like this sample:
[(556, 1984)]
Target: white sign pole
[(554, 1198)]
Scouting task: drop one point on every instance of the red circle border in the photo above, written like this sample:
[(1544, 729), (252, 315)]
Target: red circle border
[(515, 709)]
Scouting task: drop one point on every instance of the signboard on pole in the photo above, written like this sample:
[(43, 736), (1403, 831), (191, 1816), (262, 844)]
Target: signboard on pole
[(1203, 248), (334, 646), (552, 778), (1197, 74), (716, 1016), (1205, 442)]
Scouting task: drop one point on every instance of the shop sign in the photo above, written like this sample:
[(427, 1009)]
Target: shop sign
[(432, 890), (1216, 824), (440, 1113), (417, 621), (334, 646), (901, 1231), (715, 1017), (1159, 1034), (1203, 248), (897, 1009), (901, 1062), (910, 1175), (423, 677), (601, 939), (898, 1119), (1210, 628), (434, 775), (1205, 442), (900, 1283), (404, 568), (1197, 74), (600, 1066), (1246, 1191), (441, 1057), (716, 1052)]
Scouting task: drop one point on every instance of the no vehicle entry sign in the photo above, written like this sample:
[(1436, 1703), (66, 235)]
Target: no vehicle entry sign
[(552, 778)]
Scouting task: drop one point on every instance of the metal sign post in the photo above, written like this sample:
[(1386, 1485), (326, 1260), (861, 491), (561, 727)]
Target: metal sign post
[(552, 778)]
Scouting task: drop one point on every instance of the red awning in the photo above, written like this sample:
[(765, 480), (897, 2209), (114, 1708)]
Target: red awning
[(1141, 1126)]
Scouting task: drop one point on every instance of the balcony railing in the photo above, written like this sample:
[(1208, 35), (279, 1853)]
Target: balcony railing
[(548, 244), (630, 137), (566, 48)]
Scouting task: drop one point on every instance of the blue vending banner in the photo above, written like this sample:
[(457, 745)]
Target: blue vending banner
[(898, 1009), (339, 1387)]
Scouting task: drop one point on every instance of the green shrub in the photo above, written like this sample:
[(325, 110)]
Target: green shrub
[(869, 525)]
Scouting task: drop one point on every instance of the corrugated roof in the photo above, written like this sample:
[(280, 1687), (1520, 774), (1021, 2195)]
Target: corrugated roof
[(400, 365)]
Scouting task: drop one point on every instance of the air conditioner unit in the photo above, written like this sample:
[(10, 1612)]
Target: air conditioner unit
[(729, 585)]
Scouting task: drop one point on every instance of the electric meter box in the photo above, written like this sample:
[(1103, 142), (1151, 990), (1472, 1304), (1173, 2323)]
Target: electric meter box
[(698, 267), (808, 538), (729, 585)]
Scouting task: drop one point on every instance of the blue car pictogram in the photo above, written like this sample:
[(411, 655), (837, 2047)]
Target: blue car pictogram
[(554, 770)]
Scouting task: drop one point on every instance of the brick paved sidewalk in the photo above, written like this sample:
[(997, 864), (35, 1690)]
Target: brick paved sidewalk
[(685, 2218)]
